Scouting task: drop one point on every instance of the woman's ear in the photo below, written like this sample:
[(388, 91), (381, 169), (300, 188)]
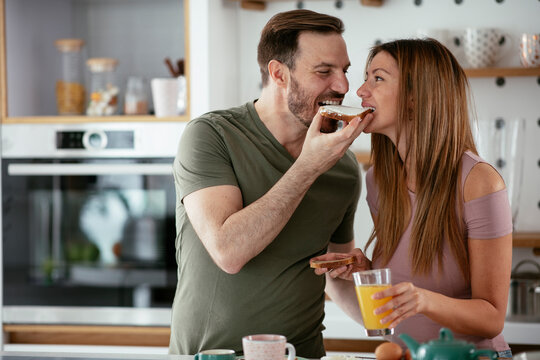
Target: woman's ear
[(279, 73)]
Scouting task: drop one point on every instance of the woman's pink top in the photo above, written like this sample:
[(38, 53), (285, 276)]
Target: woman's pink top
[(487, 217)]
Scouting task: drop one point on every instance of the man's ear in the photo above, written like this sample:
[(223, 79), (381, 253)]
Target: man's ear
[(279, 73)]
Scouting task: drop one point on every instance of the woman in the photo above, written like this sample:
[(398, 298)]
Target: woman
[(442, 219)]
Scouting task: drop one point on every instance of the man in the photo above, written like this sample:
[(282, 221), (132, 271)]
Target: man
[(261, 189)]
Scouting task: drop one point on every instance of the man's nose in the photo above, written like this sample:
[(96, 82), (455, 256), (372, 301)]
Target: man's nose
[(341, 84)]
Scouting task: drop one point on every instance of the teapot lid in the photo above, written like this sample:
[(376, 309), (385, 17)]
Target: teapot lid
[(446, 339)]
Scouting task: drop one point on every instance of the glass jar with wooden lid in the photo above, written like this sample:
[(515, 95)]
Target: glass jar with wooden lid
[(70, 91), (103, 87)]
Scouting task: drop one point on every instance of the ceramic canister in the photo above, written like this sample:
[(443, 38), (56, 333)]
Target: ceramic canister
[(529, 50), (483, 46)]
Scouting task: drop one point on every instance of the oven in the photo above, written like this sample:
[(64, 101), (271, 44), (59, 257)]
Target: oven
[(88, 214)]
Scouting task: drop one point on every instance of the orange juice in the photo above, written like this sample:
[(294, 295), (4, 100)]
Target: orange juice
[(368, 305)]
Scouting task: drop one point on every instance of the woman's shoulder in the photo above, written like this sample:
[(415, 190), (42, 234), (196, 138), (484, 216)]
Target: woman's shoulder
[(481, 179), (370, 180), (369, 172)]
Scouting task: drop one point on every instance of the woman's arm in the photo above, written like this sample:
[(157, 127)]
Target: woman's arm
[(339, 284), (482, 315), (490, 268)]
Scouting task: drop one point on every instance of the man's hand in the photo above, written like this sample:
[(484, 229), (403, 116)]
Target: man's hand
[(321, 151)]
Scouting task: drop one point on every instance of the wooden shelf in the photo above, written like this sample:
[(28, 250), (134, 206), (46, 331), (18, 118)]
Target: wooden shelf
[(531, 240), (88, 119), (261, 4), (502, 72)]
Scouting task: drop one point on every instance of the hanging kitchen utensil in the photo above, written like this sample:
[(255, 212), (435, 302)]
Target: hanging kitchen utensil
[(524, 295)]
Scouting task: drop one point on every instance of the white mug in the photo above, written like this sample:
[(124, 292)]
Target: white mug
[(165, 96), (485, 46), (267, 347), (529, 50)]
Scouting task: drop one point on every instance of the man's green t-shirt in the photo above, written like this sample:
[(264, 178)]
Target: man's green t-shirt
[(276, 292)]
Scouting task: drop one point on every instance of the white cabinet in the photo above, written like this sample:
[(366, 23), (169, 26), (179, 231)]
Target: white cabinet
[(140, 34)]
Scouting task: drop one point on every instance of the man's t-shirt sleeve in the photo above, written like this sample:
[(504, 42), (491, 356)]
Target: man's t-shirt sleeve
[(202, 159)]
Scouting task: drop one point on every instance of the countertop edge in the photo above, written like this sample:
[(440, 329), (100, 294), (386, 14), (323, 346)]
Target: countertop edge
[(63, 355), (338, 324)]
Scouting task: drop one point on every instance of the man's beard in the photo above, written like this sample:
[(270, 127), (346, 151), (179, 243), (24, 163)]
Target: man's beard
[(301, 107)]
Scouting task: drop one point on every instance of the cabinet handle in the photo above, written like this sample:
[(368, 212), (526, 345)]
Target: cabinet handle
[(88, 169)]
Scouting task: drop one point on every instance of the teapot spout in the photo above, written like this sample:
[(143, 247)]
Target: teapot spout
[(412, 344)]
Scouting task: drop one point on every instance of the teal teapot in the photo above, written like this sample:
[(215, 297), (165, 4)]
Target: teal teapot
[(445, 348)]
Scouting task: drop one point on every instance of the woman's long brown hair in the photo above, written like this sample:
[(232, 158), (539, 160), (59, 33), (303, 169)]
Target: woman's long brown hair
[(433, 113)]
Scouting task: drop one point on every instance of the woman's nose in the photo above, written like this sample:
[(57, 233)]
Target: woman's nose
[(362, 91)]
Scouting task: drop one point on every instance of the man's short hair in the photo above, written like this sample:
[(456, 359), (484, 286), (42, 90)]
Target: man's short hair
[(279, 37)]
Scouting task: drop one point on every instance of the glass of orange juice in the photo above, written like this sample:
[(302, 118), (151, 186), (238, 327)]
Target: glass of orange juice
[(368, 283)]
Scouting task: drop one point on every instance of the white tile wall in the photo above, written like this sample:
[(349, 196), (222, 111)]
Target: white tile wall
[(519, 97)]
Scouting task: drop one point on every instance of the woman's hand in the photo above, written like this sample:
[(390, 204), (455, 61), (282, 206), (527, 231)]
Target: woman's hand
[(361, 263), (407, 300)]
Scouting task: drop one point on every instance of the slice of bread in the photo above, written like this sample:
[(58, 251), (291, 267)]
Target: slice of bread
[(344, 113), (332, 264)]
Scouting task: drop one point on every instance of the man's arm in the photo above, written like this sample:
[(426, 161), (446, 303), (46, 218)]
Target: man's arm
[(233, 234)]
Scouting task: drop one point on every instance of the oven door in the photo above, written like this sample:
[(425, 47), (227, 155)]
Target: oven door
[(89, 232)]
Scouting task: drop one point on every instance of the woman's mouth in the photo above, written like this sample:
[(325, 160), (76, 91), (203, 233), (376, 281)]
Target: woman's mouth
[(366, 105)]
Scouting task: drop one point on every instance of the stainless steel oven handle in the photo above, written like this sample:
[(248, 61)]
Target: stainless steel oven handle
[(88, 169)]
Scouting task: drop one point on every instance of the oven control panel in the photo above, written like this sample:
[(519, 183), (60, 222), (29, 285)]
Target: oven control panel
[(95, 139), (123, 139)]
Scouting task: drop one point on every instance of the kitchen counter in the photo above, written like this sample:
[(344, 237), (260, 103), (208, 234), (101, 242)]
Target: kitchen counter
[(153, 325), (9, 355), (340, 326)]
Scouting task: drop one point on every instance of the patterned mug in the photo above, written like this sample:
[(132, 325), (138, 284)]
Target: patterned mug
[(529, 50), (267, 347), (484, 46)]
